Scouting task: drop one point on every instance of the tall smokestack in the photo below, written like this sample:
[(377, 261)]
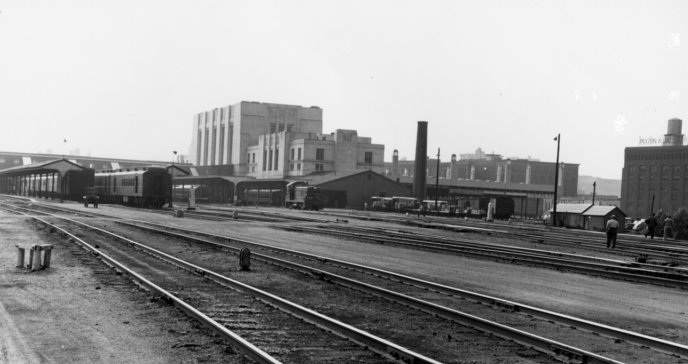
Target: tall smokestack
[(420, 176)]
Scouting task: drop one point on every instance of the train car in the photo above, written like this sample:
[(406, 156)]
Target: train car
[(304, 198), (147, 186)]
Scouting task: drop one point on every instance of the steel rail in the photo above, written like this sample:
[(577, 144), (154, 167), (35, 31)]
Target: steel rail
[(381, 346), (604, 330), (425, 237), (590, 268), (243, 345), (553, 348), (586, 325)]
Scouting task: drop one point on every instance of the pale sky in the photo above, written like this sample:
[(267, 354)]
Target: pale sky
[(123, 79)]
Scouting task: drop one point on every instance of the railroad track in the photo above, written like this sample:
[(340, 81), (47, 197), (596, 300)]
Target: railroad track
[(513, 256), (618, 334), (310, 334), (556, 350)]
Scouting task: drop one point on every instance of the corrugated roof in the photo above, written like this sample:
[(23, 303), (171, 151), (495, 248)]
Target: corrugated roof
[(572, 208), (601, 211), (39, 166)]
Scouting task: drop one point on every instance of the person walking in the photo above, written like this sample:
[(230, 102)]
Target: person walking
[(612, 226), (651, 226), (669, 226)]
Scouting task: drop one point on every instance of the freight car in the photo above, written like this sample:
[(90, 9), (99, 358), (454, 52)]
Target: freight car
[(147, 186)]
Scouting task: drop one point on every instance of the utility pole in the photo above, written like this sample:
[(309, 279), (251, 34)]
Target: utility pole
[(556, 184), (594, 187), (652, 208), (437, 183)]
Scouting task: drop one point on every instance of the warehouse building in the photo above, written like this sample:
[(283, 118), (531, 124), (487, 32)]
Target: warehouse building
[(655, 175)]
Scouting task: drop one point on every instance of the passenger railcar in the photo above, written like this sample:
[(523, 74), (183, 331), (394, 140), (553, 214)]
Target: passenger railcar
[(147, 186)]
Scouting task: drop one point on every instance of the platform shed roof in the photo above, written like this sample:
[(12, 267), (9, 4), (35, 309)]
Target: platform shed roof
[(61, 166)]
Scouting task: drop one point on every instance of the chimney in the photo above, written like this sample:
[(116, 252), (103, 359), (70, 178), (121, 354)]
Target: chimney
[(395, 163), (420, 174), (452, 167)]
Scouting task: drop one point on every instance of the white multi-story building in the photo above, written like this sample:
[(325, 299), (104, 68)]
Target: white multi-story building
[(263, 140)]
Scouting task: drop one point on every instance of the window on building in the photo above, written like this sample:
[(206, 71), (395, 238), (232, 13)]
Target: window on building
[(643, 168), (298, 166), (254, 157), (292, 153), (631, 168), (299, 154), (291, 166), (665, 168), (677, 168), (369, 157), (320, 154), (273, 127), (270, 162), (253, 168), (248, 158), (383, 194), (319, 167), (276, 159), (265, 159), (289, 127)]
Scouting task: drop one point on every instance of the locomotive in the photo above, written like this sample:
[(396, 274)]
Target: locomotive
[(147, 186), (304, 197)]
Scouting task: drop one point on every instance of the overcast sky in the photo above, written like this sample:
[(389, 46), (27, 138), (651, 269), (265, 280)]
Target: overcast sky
[(124, 78)]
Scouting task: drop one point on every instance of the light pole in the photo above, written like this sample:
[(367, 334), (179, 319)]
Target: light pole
[(437, 183), (172, 180), (556, 183), (594, 188)]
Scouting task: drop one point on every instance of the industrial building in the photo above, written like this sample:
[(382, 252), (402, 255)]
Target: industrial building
[(492, 168), (655, 176), (263, 140)]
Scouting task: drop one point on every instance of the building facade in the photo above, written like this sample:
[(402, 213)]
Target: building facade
[(493, 168), (656, 177), (263, 140)]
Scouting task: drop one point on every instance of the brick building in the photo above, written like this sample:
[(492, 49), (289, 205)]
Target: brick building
[(660, 171), (493, 168)]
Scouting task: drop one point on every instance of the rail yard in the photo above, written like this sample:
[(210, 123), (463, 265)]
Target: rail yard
[(360, 287)]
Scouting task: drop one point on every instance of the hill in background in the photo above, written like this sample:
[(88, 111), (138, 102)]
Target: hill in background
[(604, 186)]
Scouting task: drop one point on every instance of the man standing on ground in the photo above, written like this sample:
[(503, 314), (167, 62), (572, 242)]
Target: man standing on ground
[(669, 226), (612, 226), (651, 225)]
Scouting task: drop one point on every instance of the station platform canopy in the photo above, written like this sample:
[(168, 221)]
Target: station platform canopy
[(61, 166)]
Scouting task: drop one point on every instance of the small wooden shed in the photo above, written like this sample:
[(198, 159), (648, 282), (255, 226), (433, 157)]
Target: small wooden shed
[(596, 217), (570, 214)]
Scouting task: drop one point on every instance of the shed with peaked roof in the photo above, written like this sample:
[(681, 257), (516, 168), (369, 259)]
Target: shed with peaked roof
[(571, 214), (596, 217)]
